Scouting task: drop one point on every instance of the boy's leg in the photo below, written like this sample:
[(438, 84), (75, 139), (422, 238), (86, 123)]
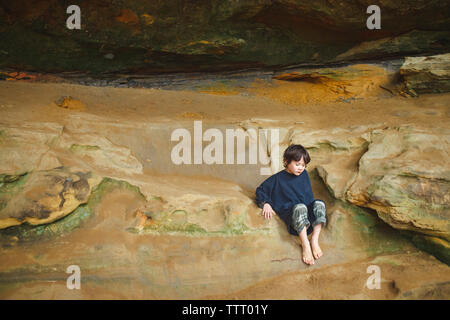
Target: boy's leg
[(301, 223), (316, 250), (319, 213)]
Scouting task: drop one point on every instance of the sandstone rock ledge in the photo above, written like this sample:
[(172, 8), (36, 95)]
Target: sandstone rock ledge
[(94, 188)]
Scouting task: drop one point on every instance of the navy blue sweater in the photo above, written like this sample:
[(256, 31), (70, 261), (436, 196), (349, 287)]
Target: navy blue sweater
[(283, 190)]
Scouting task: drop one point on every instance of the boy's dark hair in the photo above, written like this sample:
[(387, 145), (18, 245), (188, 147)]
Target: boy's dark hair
[(295, 152)]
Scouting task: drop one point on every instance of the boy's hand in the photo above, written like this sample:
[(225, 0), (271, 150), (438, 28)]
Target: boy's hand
[(268, 211)]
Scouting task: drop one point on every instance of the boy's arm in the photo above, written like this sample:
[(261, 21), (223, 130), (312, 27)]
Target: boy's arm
[(263, 193)]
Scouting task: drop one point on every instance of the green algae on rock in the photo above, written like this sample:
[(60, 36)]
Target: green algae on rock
[(180, 222), (362, 230), (74, 219)]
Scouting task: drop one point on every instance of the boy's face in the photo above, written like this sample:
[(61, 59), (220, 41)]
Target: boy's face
[(296, 167)]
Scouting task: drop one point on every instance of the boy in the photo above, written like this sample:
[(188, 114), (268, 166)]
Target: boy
[(288, 193)]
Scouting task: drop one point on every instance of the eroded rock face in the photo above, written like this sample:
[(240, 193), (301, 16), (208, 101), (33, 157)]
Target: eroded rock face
[(25, 147), (404, 175), (155, 37), (200, 241), (43, 196), (44, 146), (195, 236), (401, 172), (171, 235), (315, 85), (336, 153), (427, 74), (98, 152)]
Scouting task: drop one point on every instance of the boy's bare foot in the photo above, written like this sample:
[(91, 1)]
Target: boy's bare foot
[(307, 254), (316, 251)]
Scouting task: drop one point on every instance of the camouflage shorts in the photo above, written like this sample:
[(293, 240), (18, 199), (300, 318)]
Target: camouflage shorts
[(306, 216)]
